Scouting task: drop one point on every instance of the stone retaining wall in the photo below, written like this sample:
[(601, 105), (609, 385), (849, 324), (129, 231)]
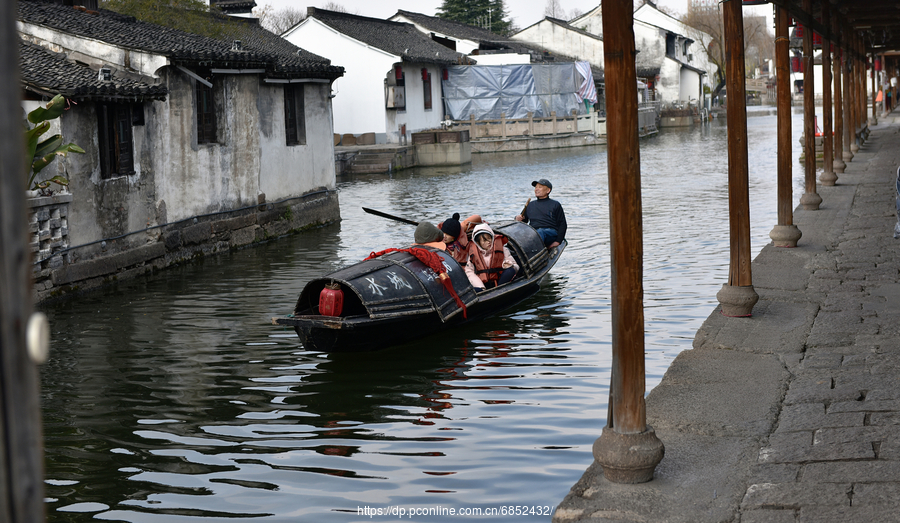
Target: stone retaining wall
[(61, 269)]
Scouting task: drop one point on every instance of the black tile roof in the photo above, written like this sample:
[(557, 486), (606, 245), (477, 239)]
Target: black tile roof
[(261, 48), (46, 72), (465, 31), (397, 38)]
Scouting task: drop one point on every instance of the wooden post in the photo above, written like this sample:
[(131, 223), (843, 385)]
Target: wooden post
[(874, 120), (810, 199), (848, 96), (21, 442), (839, 164), (737, 296), (628, 449), (828, 177), (785, 233), (503, 125), (530, 123), (854, 90)]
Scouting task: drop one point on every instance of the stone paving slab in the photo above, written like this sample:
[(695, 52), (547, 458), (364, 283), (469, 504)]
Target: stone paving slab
[(791, 415)]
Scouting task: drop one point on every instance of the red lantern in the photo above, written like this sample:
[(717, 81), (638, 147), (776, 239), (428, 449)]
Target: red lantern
[(795, 64), (878, 64), (799, 31), (424, 74), (398, 72), (446, 74), (331, 300), (817, 39)]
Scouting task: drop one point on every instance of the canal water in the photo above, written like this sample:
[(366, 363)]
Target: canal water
[(175, 398)]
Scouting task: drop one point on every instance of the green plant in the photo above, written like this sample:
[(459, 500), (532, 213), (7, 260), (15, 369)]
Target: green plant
[(39, 154)]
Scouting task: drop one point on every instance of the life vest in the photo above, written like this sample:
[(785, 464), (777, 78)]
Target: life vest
[(492, 272), (459, 252)]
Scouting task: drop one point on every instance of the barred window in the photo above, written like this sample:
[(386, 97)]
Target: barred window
[(206, 114), (115, 140), (294, 115)]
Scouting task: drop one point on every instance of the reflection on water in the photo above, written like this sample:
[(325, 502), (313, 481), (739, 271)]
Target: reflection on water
[(175, 399)]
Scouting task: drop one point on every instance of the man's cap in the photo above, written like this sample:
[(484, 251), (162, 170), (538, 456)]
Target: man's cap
[(542, 181)]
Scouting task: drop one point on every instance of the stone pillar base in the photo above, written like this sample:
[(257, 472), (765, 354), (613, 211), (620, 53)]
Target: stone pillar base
[(839, 164), (785, 235), (854, 147), (737, 301), (828, 178), (873, 120), (847, 156), (810, 201), (628, 458)]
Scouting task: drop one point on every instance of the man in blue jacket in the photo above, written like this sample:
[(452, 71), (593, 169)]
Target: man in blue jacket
[(545, 215)]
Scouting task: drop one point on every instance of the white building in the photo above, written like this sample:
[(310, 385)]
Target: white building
[(392, 81)]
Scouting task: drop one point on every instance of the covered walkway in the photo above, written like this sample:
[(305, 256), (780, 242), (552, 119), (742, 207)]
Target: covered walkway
[(789, 415)]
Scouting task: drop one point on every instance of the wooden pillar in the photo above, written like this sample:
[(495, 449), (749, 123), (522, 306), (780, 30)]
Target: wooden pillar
[(785, 233), (848, 96), (874, 119), (810, 199), (828, 176), (854, 90), (21, 442), (628, 449), (884, 86), (737, 296), (839, 165)]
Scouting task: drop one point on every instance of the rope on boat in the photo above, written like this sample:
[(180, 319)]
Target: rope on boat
[(433, 261)]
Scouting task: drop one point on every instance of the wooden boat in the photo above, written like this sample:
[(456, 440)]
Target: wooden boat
[(396, 298)]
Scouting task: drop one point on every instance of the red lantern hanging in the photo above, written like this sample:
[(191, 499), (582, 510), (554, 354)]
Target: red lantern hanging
[(878, 64), (795, 64), (424, 74), (445, 74), (798, 32), (398, 72), (331, 300)]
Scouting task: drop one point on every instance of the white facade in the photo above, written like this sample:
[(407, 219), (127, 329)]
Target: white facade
[(463, 45), (360, 95), (592, 21), (689, 53), (564, 41)]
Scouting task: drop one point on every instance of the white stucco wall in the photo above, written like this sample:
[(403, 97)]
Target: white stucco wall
[(592, 21), (690, 85), (197, 178), (359, 102), (563, 41), (415, 116), (292, 170)]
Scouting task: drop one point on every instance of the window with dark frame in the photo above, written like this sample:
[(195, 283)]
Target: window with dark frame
[(426, 82), (294, 115), (115, 140), (206, 114)]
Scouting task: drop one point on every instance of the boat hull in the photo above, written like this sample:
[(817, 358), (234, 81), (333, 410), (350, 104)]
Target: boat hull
[(395, 299)]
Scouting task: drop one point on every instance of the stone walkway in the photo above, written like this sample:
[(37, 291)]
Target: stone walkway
[(792, 415)]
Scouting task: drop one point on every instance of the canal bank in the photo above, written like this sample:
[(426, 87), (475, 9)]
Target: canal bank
[(788, 415)]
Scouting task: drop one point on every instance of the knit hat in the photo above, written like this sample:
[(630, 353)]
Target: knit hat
[(451, 226), (427, 233)]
